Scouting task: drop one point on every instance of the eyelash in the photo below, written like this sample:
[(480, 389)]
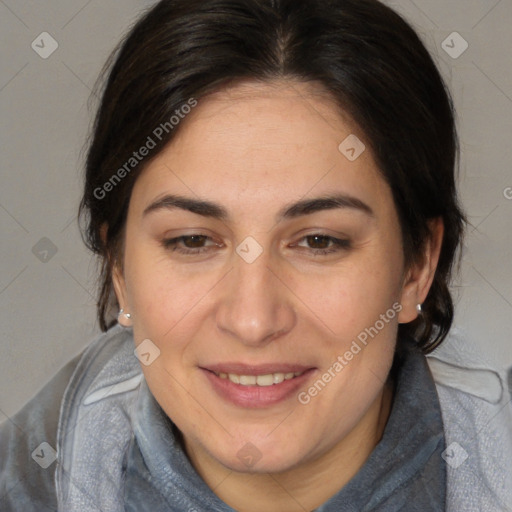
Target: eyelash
[(337, 244)]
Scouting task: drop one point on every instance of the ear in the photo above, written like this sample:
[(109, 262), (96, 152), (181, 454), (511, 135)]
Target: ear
[(118, 281), (419, 277)]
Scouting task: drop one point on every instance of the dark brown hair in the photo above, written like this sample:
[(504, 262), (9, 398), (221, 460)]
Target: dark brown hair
[(369, 59)]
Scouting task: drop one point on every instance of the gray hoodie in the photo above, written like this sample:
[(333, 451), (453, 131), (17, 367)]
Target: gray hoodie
[(95, 439)]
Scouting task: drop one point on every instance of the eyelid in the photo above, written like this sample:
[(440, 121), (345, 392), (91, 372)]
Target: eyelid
[(336, 244), (331, 238), (173, 241)]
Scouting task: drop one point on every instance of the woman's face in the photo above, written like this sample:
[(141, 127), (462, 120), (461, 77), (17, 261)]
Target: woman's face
[(256, 247)]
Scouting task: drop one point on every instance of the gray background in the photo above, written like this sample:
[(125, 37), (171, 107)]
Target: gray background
[(48, 300)]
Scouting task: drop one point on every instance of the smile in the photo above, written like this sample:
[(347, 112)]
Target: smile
[(268, 379), (256, 386)]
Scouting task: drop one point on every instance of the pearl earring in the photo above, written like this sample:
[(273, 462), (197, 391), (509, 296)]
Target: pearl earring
[(418, 309), (124, 319)]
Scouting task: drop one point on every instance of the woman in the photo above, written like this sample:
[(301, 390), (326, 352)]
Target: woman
[(270, 189)]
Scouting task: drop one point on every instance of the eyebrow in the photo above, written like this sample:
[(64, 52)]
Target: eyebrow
[(304, 207), (198, 206)]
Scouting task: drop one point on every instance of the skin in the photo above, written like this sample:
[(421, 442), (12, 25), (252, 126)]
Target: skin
[(254, 149)]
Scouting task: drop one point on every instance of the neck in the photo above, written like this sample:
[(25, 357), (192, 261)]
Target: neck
[(304, 487)]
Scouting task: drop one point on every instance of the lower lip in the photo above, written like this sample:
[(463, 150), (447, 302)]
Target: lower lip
[(256, 396)]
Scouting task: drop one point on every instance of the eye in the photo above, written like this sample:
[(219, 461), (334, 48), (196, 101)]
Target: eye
[(190, 244), (317, 244), (321, 244)]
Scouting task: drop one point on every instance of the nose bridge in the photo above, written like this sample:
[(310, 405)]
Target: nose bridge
[(255, 308)]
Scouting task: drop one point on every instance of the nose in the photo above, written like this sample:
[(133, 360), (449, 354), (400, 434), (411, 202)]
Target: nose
[(255, 307)]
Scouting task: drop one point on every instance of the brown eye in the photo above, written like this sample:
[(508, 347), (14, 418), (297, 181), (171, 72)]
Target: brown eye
[(321, 244), (194, 241), (190, 244), (318, 241)]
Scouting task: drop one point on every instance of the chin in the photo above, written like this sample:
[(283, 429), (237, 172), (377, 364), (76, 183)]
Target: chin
[(254, 457), (279, 465)]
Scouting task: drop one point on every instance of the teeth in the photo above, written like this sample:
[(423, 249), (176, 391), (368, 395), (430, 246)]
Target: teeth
[(234, 378), (278, 378), (259, 380), (248, 380), (265, 380)]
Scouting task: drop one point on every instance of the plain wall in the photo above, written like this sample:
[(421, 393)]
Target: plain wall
[(48, 300)]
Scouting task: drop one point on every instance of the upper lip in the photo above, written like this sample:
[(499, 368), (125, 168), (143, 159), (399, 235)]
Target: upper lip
[(260, 369)]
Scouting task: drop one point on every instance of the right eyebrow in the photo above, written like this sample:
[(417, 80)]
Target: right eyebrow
[(198, 206)]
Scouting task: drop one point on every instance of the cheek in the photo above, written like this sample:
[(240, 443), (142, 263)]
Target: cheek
[(167, 300), (352, 296)]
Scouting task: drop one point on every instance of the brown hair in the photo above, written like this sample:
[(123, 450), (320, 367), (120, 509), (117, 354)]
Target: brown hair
[(369, 59)]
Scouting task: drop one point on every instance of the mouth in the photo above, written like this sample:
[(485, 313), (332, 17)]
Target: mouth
[(269, 379), (256, 387)]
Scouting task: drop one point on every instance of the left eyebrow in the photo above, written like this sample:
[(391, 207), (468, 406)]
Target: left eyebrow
[(309, 206)]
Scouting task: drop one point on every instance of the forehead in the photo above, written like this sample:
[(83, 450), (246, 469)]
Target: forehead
[(272, 117), (270, 143)]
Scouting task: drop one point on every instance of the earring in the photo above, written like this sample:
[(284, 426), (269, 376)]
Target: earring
[(125, 319), (418, 309)]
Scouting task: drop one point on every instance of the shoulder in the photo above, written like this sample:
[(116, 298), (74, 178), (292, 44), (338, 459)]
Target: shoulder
[(29, 440), (476, 406), (27, 448)]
